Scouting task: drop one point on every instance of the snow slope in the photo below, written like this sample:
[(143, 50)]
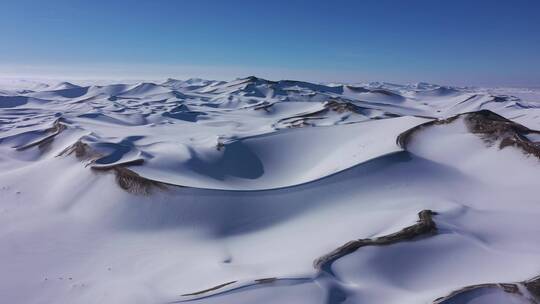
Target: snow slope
[(229, 192)]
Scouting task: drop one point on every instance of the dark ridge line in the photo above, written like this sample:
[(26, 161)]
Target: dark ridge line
[(264, 106), (424, 226), (385, 92), (495, 128), (131, 181), (323, 88), (209, 289), (244, 286), (531, 285), (495, 99), (265, 189), (308, 115), (342, 106), (404, 138), (489, 126), (301, 120), (300, 123), (55, 129), (136, 184), (127, 179), (463, 101), (266, 280), (357, 89), (85, 153), (509, 288), (82, 151)]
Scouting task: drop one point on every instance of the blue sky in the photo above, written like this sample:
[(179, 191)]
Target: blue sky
[(454, 42)]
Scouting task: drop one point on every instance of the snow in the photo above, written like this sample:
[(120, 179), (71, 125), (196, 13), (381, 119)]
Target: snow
[(255, 192)]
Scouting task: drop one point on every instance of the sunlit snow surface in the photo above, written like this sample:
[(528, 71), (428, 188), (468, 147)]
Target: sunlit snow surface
[(252, 179)]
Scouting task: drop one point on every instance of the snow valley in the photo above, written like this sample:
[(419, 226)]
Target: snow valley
[(259, 191)]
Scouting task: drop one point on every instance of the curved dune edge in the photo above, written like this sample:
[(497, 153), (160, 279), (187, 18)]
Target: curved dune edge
[(127, 179), (490, 127), (50, 133), (528, 290), (424, 227), (136, 183), (264, 162), (141, 183)]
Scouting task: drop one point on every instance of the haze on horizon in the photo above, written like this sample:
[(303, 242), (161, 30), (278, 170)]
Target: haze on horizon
[(493, 43)]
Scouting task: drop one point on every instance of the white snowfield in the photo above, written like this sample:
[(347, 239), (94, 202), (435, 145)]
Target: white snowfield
[(246, 191)]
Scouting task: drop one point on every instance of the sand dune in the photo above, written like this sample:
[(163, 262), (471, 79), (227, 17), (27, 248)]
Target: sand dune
[(259, 191)]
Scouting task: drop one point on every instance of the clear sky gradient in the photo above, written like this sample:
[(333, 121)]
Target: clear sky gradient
[(454, 42)]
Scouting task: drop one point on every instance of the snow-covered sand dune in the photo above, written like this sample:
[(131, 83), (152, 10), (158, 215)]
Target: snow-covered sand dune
[(258, 191)]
